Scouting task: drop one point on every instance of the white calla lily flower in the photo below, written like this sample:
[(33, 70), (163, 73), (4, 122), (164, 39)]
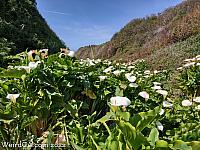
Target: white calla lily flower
[(117, 72), (186, 103), (147, 72), (120, 101), (108, 69), (167, 104), (156, 83), (33, 65), (197, 99), (71, 54), (130, 78), (197, 107), (13, 97), (162, 111), (159, 126), (133, 85), (102, 78), (144, 94), (162, 92), (156, 87)]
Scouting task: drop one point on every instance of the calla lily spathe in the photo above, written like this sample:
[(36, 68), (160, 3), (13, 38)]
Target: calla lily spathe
[(130, 77), (144, 94), (120, 101), (186, 103), (13, 97), (167, 104)]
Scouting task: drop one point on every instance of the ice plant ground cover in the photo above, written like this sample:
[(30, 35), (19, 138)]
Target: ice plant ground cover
[(99, 104)]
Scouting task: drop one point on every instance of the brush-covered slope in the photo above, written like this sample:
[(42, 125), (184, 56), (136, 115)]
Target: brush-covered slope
[(22, 25), (172, 35)]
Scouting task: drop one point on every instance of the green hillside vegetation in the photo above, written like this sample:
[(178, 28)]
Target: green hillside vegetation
[(22, 25), (165, 39)]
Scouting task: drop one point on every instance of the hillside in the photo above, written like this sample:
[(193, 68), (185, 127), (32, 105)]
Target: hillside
[(22, 26), (164, 39)]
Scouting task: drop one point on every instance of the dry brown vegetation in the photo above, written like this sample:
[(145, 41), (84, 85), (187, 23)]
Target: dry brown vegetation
[(158, 38)]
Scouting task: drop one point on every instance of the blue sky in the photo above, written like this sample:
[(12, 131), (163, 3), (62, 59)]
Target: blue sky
[(85, 22)]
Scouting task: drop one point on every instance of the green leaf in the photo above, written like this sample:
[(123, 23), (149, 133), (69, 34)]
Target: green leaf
[(180, 145), (91, 94), (76, 146), (119, 92), (28, 120), (153, 136), (143, 119), (161, 144), (12, 73)]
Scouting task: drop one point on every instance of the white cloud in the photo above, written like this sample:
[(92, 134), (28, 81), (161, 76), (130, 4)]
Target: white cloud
[(58, 13)]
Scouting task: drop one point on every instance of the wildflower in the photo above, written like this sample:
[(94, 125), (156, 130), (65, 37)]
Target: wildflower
[(131, 67), (117, 72), (162, 92), (144, 94), (197, 99), (197, 107), (147, 72), (33, 65), (120, 101), (44, 53), (71, 54), (102, 78), (167, 104), (159, 126), (156, 83), (133, 85), (108, 69), (189, 64), (62, 55), (27, 68), (32, 55), (155, 71), (156, 87), (180, 68), (130, 77), (162, 112), (13, 97), (64, 50), (186, 103)]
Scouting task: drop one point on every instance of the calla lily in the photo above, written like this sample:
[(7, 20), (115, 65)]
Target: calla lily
[(27, 68), (156, 87), (133, 85), (13, 97), (33, 65), (162, 112), (71, 53), (144, 94), (156, 83), (197, 99), (180, 68), (120, 101), (186, 103), (189, 64), (197, 107), (167, 104), (163, 92), (108, 69), (159, 126), (147, 72), (117, 72), (130, 77), (102, 78)]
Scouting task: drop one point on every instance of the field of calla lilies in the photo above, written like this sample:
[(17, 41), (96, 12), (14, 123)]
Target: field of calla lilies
[(57, 101)]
